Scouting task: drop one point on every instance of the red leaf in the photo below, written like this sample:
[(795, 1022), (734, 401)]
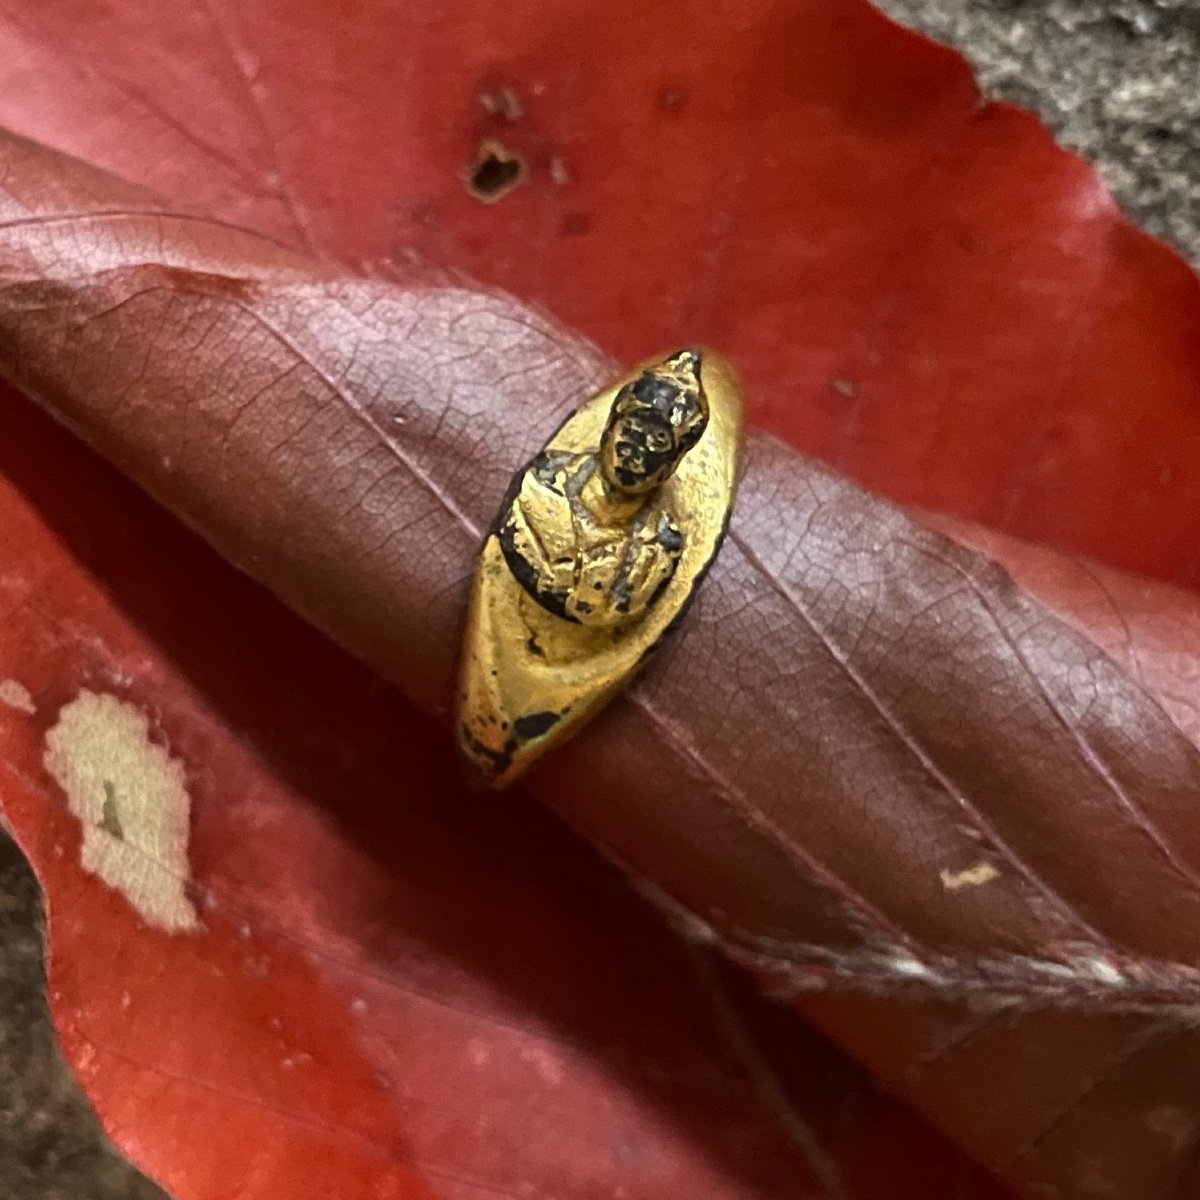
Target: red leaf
[(1058, 335)]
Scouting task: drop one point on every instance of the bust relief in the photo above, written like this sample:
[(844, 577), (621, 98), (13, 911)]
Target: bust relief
[(587, 535)]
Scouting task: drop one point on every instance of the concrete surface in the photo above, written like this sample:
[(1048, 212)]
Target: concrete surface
[(51, 1147), (1116, 79)]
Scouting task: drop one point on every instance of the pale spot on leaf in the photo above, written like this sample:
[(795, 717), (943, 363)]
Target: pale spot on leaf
[(16, 695), (131, 800), (904, 963), (1176, 1125), (548, 1067), (1099, 969), (1094, 1182), (559, 172), (975, 876)]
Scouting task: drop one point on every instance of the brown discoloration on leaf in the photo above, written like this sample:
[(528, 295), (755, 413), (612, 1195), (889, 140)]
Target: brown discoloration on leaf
[(560, 173)]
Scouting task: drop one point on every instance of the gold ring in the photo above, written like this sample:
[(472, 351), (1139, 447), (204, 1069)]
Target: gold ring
[(596, 552)]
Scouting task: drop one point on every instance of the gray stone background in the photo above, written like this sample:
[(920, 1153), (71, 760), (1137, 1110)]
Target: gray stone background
[(1118, 80)]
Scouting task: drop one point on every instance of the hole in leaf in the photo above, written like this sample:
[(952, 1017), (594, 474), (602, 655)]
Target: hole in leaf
[(496, 172)]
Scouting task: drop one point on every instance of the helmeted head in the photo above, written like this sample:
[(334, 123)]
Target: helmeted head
[(654, 422)]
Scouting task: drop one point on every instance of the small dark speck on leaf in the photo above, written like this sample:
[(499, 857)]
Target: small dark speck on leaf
[(965, 238), (496, 171), (575, 224)]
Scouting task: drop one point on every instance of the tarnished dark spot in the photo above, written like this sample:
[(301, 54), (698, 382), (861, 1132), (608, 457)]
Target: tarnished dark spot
[(534, 724), (497, 759)]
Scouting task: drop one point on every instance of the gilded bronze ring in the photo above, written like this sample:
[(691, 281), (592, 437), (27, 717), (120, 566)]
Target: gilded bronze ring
[(595, 554)]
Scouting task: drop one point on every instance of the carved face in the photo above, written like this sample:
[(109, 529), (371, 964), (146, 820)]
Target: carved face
[(640, 452), (654, 422)]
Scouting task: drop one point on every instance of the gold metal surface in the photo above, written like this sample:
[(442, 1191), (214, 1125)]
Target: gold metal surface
[(595, 554)]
